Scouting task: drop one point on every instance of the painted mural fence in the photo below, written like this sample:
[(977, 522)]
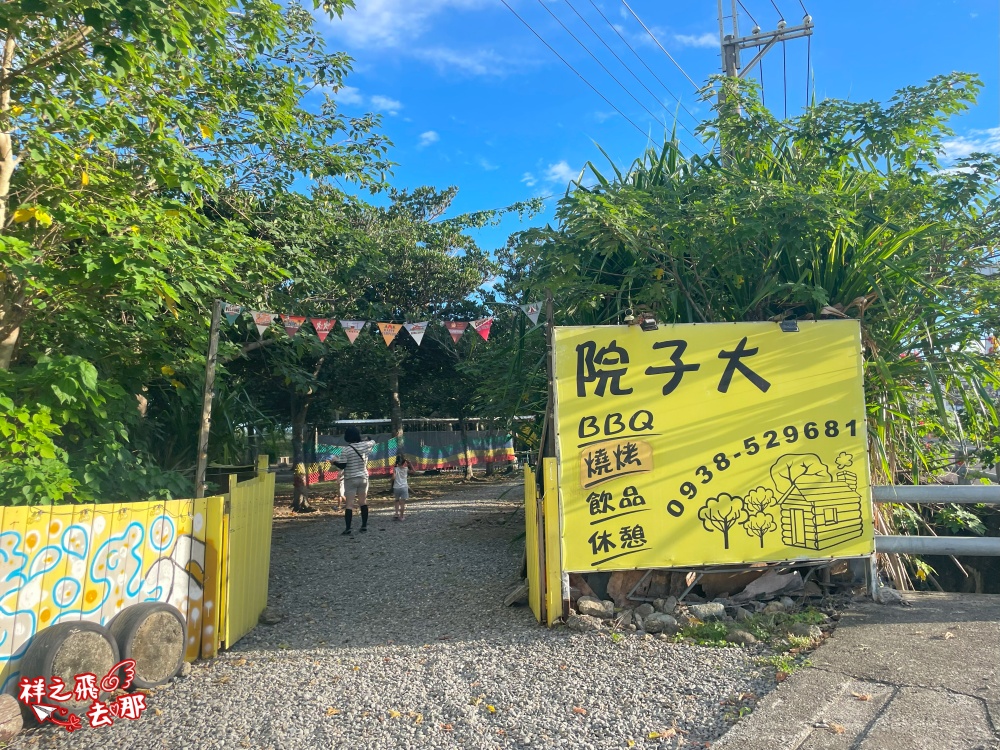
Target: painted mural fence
[(65, 563)]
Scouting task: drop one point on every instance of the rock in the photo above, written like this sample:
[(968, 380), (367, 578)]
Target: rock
[(621, 583), (638, 620), (270, 616), (706, 612), (805, 630), (741, 615), (578, 582), (714, 584), (774, 608), (583, 623), (669, 605), (624, 619), (631, 628), (185, 670), (886, 595), (812, 589), (789, 603), (684, 620), (588, 605), (741, 637), (660, 623), (10, 718), (644, 610), (771, 584)]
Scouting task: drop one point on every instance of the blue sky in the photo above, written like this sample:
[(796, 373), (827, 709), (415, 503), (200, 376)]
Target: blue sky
[(471, 97)]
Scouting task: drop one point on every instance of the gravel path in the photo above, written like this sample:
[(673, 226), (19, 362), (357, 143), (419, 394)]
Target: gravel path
[(398, 638)]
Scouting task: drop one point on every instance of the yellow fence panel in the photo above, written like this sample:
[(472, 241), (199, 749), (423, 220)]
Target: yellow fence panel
[(553, 551), (531, 539)]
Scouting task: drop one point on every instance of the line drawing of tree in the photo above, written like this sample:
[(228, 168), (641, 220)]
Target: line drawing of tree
[(844, 462), (759, 499), (721, 514), (795, 467), (758, 524)]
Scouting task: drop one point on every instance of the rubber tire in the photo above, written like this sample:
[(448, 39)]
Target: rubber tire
[(43, 652), (127, 623)]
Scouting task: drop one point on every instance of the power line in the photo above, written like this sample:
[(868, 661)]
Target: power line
[(651, 36), (603, 67), (777, 10), (645, 65), (784, 75), (752, 19), (803, 7), (809, 45), (631, 72), (579, 75)]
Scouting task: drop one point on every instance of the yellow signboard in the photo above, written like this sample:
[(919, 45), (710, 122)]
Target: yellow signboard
[(707, 444)]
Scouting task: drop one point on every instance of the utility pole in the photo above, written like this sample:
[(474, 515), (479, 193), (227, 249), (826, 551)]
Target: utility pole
[(733, 43), (206, 401)]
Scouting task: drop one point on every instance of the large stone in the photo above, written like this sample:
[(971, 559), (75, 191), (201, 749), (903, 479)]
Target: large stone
[(789, 603), (578, 582), (667, 606), (10, 718), (706, 612), (741, 615), (588, 605), (583, 623), (805, 630), (660, 623), (741, 637), (644, 610), (716, 584), (774, 608), (770, 585), (621, 583)]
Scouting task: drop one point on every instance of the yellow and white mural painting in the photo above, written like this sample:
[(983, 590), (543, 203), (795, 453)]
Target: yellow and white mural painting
[(88, 562)]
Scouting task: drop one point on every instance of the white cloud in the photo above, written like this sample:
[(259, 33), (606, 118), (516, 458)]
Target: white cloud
[(349, 95), (701, 40), (385, 104), (987, 140), (484, 62), (603, 116), (390, 23), (561, 172), (427, 138), (529, 179), (486, 165)]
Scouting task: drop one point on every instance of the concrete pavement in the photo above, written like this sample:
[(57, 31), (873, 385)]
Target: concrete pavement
[(891, 678)]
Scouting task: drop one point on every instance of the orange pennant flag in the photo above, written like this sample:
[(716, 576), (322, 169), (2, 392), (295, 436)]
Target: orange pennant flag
[(389, 331)]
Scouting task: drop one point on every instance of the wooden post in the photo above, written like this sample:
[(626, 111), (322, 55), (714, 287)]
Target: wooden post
[(206, 401), (547, 445)]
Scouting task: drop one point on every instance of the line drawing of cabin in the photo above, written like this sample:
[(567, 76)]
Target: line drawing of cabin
[(820, 514)]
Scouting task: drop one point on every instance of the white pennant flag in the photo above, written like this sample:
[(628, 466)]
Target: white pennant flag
[(352, 328), (416, 330), (532, 310), (262, 320)]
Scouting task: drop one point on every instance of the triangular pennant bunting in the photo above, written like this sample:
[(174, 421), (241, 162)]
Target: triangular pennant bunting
[(263, 320), (532, 309), (232, 312), (456, 329), (483, 327), (352, 328), (389, 331), (416, 330), (322, 326), (292, 323)]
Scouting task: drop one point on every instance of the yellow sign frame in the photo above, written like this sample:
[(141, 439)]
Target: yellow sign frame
[(710, 444)]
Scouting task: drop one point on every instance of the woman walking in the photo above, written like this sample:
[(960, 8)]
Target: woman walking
[(356, 454)]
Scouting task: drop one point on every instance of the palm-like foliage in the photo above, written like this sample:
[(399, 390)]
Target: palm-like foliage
[(842, 212)]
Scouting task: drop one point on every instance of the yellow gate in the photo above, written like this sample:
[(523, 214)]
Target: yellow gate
[(246, 552)]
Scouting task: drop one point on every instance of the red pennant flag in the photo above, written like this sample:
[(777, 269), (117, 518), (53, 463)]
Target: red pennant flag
[(263, 320), (483, 327), (456, 329), (292, 323), (322, 326), (389, 331), (352, 328)]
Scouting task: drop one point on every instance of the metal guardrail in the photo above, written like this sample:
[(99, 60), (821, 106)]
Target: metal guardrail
[(938, 545)]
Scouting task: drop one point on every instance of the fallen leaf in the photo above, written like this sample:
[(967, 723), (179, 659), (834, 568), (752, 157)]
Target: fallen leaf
[(477, 683), (491, 709), (781, 676), (836, 728), (158, 711), (447, 727), (240, 663), (222, 680), (862, 696), (331, 711), (562, 666), (356, 668), (630, 743), (282, 645), (475, 701), (578, 710), (394, 714), (653, 736), (500, 731), (947, 636), (419, 719)]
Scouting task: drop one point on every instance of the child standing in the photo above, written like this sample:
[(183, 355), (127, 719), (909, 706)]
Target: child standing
[(401, 485)]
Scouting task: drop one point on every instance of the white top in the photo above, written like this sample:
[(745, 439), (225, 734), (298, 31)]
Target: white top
[(357, 460), (399, 474)]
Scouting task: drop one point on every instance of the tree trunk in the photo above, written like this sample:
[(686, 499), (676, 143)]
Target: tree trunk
[(469, 474), (300, 491), (10, 326), (490, 470), (396, 404)]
